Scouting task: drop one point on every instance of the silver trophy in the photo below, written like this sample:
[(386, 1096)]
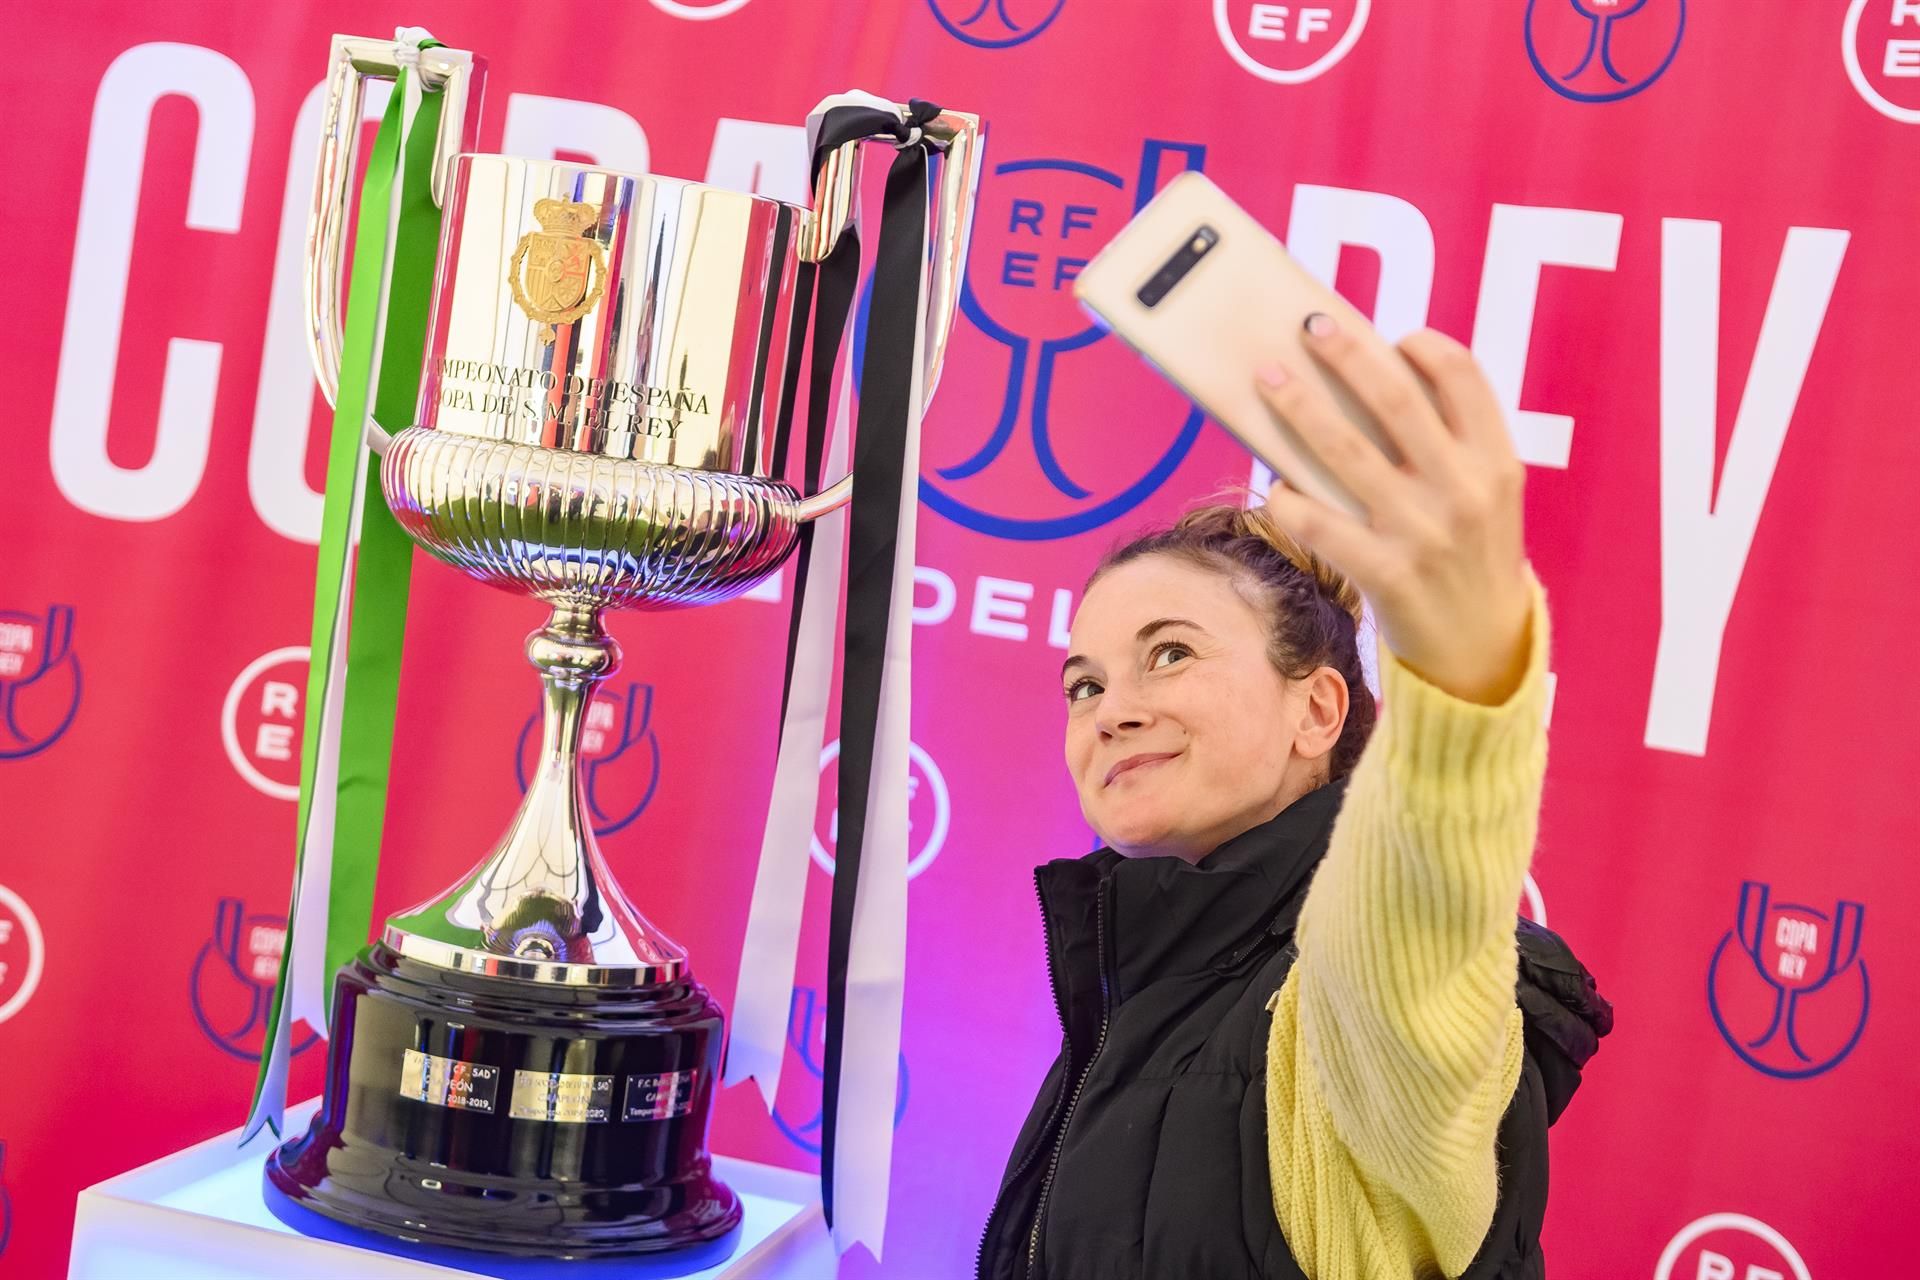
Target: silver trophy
[(596, 426)]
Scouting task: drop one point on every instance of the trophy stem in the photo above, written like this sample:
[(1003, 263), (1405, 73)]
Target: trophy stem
[(573, 654), (543, 904)]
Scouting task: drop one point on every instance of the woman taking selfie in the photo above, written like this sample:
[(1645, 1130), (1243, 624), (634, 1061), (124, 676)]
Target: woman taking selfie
[(1301, 1035)]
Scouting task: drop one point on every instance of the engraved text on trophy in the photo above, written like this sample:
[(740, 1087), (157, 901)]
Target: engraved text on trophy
[(564, 407)]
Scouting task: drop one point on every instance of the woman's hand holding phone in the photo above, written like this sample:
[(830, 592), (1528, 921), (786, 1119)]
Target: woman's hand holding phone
[(1440, 551), (1433, 535)]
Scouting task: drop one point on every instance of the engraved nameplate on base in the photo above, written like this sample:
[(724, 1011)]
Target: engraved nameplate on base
[(448, 1082), (567, 1097), (660, 1097)]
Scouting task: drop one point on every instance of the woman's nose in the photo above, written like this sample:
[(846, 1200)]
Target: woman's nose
[(1122, 710)]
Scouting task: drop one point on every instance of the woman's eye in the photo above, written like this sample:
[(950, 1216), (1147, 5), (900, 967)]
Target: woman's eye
[(1166, 655), (1082, 689)]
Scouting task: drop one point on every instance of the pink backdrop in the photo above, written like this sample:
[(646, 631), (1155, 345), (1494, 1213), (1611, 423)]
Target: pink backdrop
[(1681, 237)]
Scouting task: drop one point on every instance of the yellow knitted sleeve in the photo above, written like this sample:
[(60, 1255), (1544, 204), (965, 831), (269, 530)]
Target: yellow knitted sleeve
[(1395, 1044)]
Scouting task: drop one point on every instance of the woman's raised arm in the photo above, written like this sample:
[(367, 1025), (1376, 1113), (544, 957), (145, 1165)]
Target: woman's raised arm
[(1396, 1042)]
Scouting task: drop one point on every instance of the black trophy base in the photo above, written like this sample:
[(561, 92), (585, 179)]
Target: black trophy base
[(512, 1117)]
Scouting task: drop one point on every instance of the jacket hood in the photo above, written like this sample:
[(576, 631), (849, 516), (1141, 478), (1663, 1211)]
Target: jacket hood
[(1565, 1012)]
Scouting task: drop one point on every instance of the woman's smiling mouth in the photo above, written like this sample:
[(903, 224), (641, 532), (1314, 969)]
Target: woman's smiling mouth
[(1137, 761)]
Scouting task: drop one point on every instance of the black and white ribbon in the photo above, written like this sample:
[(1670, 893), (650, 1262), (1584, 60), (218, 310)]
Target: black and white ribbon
[(866, 948)]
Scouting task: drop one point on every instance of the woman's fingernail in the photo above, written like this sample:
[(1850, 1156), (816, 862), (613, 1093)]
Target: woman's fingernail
[(1271, 374), (1320, 324)]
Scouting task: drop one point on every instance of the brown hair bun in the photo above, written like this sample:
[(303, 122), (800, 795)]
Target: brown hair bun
[(1226, 522)]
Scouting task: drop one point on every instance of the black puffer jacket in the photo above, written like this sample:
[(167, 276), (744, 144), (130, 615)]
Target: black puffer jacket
[(1146, 1152)]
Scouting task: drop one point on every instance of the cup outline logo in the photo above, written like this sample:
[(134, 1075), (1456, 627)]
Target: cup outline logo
[(36, 952), (1842, 957), (942, 810), (1223, 27), (1600, 45), (692, 12), (1038, 413), (230, 923), (1850, 58), (636, 728), (56, 651), (1020, 34), (1728, 1222), (806, 1013), (230, 721), (559, 272)]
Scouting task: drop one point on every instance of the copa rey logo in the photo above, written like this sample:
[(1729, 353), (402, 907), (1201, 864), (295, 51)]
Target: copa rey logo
[(1787, 985), (1289, 43), (995, 24), (1880, 47), (231, 986), (23, 953), (262, 720), (39, 680), (929, 811), (1603, 50), (1730, 1246), (619, 756), (1041, 463), (807, 1037)]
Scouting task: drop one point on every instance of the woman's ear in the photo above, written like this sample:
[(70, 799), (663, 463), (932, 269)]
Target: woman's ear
[(1322, 713)]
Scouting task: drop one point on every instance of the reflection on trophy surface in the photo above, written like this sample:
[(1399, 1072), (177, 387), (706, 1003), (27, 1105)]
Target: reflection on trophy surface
[(526, 1063)]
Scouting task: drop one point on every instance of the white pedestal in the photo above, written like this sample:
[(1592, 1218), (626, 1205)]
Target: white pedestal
[(199, 1213)]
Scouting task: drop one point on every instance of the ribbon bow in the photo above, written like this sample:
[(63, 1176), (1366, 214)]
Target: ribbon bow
[(866, 946)]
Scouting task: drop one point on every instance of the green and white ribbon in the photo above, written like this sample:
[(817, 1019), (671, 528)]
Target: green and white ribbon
[(360, 588)]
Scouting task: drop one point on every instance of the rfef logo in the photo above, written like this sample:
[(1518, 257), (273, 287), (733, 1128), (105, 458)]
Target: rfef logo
[(1880, 46), (1045, 462), (1603, 50), (619, 756), (1289, 43), (39, 680), (929, 811), (23, 953), (263, 720), (807, 1037), (232, 981), (700, 10), (1730, 1246), (995, 24), (1532, 905), (1787, 985)]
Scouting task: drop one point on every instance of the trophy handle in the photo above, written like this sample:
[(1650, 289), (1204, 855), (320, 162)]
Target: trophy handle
[(949, 233), (352, 61)]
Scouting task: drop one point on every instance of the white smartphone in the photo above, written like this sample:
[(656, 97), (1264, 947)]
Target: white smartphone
[(1207, 295)]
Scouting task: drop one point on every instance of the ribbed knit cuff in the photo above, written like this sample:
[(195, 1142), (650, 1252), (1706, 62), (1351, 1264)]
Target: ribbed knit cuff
[(1445, 750)]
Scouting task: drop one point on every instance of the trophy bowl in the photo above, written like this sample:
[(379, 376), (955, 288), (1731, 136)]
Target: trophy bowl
[(584, 529), (525, 1063)]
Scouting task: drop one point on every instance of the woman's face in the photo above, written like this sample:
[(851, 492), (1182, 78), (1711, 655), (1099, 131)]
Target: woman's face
[(1181, 733)]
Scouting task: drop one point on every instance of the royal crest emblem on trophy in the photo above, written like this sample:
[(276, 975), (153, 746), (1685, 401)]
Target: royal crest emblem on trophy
[(558, 273)]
